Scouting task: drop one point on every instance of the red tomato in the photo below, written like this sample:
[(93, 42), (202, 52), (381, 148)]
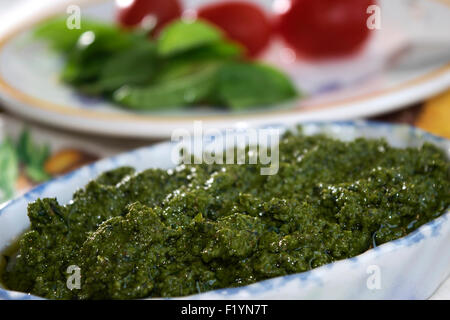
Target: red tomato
[(325, 28), (242, 22), (132, 12)]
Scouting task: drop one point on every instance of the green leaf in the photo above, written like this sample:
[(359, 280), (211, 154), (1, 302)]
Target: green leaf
[(9, 170), (41, 155), (219, 51), (36, 174), (178, 69), (94, 48), (133, 66), (63, 39), (84, 58), (173, 91), (181, 36), (243, 85), (32, 156), (25, 149), (133, 71), (216, 51)]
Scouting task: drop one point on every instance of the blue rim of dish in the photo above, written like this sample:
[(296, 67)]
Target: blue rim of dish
[(414, 237)]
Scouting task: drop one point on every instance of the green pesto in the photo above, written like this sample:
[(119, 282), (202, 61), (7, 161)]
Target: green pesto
[(203, 227)]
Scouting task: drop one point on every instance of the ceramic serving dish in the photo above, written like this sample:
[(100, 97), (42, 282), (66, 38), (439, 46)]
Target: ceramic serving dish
[(412, 267)]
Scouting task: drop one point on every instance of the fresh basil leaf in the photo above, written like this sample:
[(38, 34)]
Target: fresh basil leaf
[(105, 61), (133, 66), (87, 60), (181, 36), (171, 93), (63, 39), (177, 70), (243, 85), (9, 170), (219, 51), (189, 62), (216, 51)]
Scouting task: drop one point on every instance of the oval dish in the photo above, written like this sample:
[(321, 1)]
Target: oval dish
[(412, 267)]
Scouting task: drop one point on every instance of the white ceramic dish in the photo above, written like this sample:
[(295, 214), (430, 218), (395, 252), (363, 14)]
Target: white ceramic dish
[(371, 83), (412, 267)]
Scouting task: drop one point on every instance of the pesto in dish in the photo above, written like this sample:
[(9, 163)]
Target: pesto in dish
[(166, 233)]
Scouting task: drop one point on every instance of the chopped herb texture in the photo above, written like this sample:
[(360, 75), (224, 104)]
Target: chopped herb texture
[(167, 233)]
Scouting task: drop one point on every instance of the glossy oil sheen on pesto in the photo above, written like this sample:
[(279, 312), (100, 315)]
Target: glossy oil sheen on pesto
[(203, 227)]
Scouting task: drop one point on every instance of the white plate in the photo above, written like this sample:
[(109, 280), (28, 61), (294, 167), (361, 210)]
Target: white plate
[(412, 267), (371, 83)]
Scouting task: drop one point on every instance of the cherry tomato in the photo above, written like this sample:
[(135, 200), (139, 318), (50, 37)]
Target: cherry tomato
[(242, 22), (325, 28), (132, 12)]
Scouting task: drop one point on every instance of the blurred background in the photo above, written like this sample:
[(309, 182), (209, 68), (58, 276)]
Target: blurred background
[(346, 62)]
